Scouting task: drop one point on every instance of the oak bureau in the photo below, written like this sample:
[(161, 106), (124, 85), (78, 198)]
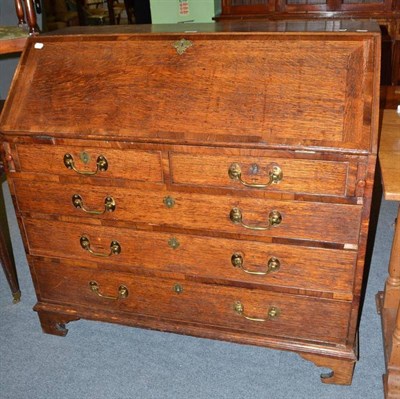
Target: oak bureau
[(212, 180)]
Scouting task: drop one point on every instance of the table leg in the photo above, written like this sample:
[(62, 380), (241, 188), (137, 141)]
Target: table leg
[(396, 62), (110, 6), (392, 286), (391, 380), (389, 309)]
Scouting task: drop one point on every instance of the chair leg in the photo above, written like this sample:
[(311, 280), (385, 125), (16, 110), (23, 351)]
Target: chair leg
[(6, 253), (129, 12)]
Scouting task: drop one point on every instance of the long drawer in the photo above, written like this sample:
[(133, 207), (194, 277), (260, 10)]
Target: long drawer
[(236, 309), (230, 214), (197, 257)]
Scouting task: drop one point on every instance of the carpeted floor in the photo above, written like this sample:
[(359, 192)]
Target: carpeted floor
[(104, 361)]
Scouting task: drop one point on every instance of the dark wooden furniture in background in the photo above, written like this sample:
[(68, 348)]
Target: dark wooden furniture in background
[(82, 9), (386, 12), (233, 202), (6, 252), (389, 301), (13, 40)]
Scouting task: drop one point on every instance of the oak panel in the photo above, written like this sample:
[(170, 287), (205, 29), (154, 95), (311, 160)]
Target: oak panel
[(205, 94)]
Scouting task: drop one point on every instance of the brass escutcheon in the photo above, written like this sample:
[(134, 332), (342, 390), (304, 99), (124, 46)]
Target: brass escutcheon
[(101, 165), (182, 45), (178, 288), (173, 243), (122, 291), (169, 202), (85, 157), (115, 248), (275, 176)]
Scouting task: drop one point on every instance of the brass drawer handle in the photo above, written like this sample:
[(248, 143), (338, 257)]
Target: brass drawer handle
[(275, 176), (102, 165), (109, 205), (122, 291), (274, 219), (273, 265), (273, 313), (115, 248)]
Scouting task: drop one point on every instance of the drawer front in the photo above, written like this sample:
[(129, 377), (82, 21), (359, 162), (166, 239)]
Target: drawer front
[(297, 219), (196, 257), (288, 316), (90, 162), (261, 89), (261, 173)]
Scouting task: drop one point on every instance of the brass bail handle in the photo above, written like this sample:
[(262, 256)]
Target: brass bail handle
[(274, 219), (115, 248), (275, 176), (122, 291), (273, 313), (273, 265), (109, 205), (101, 165)]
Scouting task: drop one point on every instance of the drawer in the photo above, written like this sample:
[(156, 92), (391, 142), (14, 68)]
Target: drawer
[(290, 316), (297, 219), (262, 173), (195, 257), (90, 161)]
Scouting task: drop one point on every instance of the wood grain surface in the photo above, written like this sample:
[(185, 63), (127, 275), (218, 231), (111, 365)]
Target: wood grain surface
[(170, 126), (199, 303), (319, 271), (203, 95), (314, 221)]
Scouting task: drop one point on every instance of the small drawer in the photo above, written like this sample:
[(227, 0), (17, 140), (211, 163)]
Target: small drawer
[(304, 220), (90, 162), (261, 173), (207, 258), (230, 308)]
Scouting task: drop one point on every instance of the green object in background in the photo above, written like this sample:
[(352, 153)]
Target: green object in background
[(173, 11)]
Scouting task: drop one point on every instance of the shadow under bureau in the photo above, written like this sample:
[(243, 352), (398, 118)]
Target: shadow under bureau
[(212, 180)]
